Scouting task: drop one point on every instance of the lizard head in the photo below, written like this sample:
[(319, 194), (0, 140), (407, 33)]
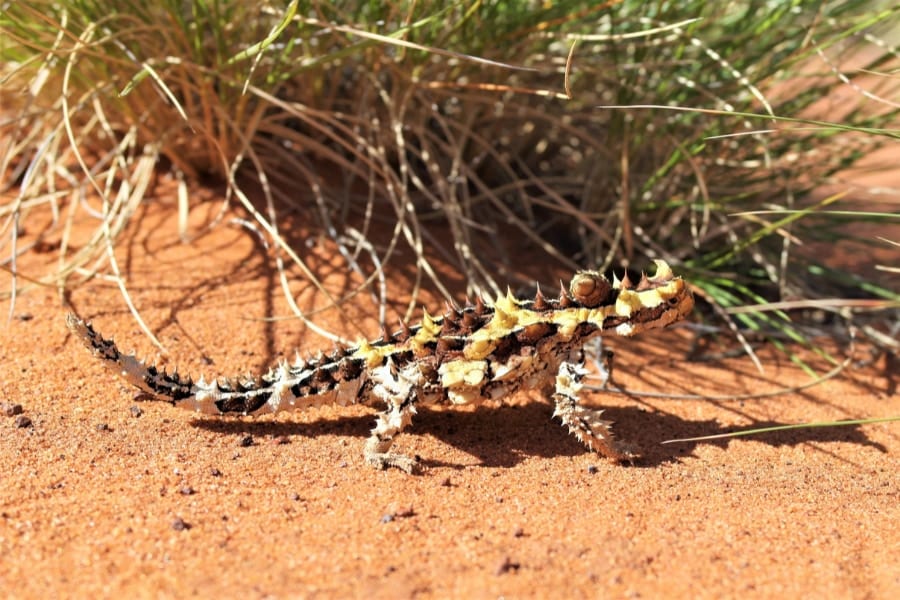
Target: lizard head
[(626, 308)]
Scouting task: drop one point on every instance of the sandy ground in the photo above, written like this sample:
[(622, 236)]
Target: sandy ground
[(105, 495)]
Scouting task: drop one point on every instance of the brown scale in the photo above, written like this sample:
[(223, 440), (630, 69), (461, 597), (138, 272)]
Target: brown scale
[(505, 347), (530, 334), (350, 368), (322, 377), (449, 348)]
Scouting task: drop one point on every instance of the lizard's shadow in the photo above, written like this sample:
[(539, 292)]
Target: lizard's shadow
[(504, 436)]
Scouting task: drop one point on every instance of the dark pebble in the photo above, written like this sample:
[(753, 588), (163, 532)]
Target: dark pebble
[(136, 411), (186, 490), (592, 469), (102, 427), (22, 421), (180, 524), (246, 441), (215, 472), (507, 565)]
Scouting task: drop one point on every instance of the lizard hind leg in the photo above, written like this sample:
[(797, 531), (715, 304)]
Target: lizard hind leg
[(585, 423), (398, 389)]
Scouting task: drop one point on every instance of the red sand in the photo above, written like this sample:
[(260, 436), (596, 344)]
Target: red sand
[(98, 502)]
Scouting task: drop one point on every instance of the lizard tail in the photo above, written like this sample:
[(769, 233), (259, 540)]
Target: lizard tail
[(284, 387)]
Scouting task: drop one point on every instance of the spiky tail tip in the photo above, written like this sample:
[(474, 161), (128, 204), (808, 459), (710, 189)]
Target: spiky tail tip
[(165, 386)]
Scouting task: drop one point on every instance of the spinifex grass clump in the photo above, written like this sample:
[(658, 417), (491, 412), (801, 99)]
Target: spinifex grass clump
[(554, 123)]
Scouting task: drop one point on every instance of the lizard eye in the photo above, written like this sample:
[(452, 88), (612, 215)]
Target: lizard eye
[(590, 289)]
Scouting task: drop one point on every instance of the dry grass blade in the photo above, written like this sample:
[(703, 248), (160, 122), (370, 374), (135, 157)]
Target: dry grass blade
[(761, 430)]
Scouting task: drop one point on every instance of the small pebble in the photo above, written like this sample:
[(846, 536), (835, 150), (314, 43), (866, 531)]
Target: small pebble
[(215, 472), (180, 524), (592, 469), (102, 427), (136, 411), (186, 490), (11, 410), (246, 441), (22, 421)]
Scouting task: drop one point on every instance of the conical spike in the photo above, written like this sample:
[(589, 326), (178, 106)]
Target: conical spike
[(510, 297), (452, 313), (427, 321), (469, 319), (500, 313), (644, 283), (663, 272), (617, 283), (449, 325), (564, 300), (479, 306), (405, 331), (626, 282), (385, 336), (540, 303)]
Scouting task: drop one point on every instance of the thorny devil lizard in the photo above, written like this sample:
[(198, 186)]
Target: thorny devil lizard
[(484, 351)]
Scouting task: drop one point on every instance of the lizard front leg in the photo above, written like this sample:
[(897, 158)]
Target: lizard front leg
[(397, 388), (585, 423)]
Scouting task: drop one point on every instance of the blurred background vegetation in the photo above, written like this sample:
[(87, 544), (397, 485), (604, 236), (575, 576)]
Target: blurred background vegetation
[(583, 133)]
